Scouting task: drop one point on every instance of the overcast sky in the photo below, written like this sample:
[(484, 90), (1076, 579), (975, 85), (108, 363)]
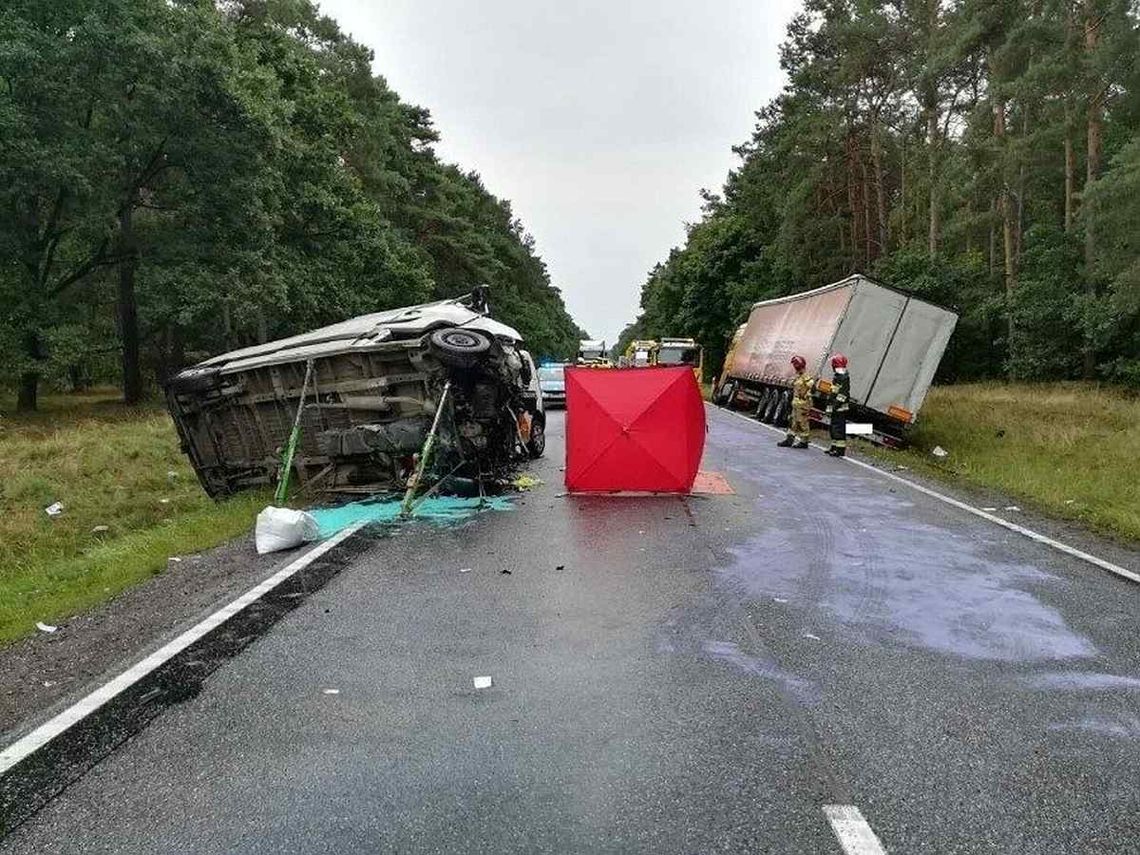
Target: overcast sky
[(600, 120)]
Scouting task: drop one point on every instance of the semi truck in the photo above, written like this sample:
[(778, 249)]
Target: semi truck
[(682, 351), (893, 341)]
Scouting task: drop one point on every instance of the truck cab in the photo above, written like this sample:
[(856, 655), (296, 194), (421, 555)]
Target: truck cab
[(682, 351)]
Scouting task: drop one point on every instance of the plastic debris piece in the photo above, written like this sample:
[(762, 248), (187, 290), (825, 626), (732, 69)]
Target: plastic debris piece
[(1069, 501), (175, 559), (505, 572), (464, 569), (45, 627), (939, 451), (778, 600), (99, 529), (330, 691), (560, 567), (526, 482), (1012, 508), (49, 683), (812, 637), (989, 509), (283, 528), (481, 682), (164, 501), (54, 509)]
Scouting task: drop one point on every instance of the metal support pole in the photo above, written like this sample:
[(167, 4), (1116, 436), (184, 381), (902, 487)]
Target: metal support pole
[(291, 446), (425, 453)]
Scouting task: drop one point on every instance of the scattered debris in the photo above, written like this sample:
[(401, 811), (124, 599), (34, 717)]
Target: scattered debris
[(164, 501), (1069, 501), (175, 559), (49, 683), (464, 569), (939, 451), (812, 637), (331, 691), (45, 627), (482, 682), (283, 528), (505, 572), (441, 510), (526, 482), (54, 509), (989, 509), (778, 600), (99, 529), (901, 468), (1012, 508), (560, 567), (1000, 433)]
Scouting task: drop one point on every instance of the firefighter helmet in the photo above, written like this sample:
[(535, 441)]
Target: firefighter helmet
[(799, 363), (838, 360)]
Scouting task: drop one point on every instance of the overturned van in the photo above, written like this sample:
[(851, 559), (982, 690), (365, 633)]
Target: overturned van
[(374, 386)]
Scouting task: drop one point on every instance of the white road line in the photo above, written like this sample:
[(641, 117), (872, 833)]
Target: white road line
[(52, 728), (978, 512), (855, 835)]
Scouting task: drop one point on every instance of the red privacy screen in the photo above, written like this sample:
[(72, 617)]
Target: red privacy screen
[(637, 429)]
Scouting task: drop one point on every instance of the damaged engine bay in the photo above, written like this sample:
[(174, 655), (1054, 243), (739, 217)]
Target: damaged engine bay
[(373, 389)]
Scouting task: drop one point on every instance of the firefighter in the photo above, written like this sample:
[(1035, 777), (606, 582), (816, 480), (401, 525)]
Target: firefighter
[(799, 427), (838, 403)]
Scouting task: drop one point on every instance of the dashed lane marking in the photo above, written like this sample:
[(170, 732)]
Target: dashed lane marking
[(978, 512), (74, 714), (855, 835)]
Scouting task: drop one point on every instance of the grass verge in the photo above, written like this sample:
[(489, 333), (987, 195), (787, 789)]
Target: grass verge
[(130, 502), (1067, 449)]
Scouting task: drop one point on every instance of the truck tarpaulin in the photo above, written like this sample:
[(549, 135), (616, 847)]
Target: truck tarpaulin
[(636, 430)]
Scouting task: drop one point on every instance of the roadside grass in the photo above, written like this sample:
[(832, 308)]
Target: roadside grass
[(108, 465), (1066, 449)]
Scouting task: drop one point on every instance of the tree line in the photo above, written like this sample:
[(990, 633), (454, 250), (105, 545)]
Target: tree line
[(181, 177), (983, 154)]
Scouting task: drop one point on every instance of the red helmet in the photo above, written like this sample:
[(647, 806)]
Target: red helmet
[(799, 363), (838, 360)]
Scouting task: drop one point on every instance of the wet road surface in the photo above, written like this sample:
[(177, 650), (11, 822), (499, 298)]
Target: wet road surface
[(667, 675)]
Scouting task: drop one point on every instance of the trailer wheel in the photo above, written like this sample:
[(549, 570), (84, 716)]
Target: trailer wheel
[(762, 404), (773, 406), (781, 417)]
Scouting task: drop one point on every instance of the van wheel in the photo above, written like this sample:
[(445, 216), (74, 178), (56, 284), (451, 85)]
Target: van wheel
[(537, 445), (459, 348)]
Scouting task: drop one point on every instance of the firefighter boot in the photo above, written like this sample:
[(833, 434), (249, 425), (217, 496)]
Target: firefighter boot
[(786, 442), (836, 451), (803, 443)]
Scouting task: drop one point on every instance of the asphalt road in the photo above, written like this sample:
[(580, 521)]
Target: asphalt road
[(668, 675)]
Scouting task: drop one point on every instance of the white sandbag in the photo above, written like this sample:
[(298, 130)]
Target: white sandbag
[(283, 528)]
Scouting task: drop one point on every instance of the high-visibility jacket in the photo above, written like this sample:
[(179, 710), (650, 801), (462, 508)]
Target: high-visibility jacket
[(801, 391)]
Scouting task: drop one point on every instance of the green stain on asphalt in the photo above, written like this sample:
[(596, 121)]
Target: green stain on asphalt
[(440, 510)]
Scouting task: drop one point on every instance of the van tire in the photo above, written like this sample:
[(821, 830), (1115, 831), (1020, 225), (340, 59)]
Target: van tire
[(459, 348)]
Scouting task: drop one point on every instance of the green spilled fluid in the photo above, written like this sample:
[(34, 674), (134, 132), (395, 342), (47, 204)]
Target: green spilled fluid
[(440, 510)]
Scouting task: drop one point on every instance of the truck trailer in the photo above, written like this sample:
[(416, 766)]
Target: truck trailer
[(893, 341)]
